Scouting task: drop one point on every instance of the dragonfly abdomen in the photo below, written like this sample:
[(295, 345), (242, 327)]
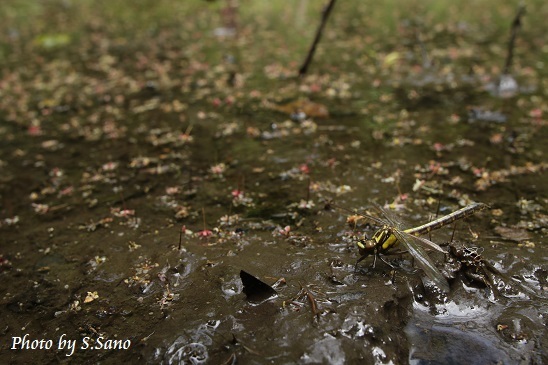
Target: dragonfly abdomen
[(447, 219)]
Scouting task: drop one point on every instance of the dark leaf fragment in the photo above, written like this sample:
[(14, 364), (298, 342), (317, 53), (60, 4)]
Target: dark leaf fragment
[(255, 289)]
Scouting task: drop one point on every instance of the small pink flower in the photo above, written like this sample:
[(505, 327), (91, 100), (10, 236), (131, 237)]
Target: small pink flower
[(254, 94), (477, 171), (332, 162), (434, 166), (40, 208), (218, 169), (34, 130), (122, 213), (315, 88), (304, 169), (66, 191), (109, 166), (454, 118), (185, 137), (438, 147), (127, 212), (205, 233), (217, 102), (56, 172), (186, 231), (286, 231), (536, 113), (172, 190)]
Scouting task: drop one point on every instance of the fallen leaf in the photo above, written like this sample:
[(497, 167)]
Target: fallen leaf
[(512, 233), (91, 296), (311, 109)]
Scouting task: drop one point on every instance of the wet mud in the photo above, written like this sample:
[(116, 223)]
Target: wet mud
[(140, 175)]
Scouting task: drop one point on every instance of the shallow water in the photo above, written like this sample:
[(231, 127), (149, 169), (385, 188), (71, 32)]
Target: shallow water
[(129, 214)]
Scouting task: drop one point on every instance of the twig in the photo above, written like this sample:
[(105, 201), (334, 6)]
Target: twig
[(308, 190), (516, 24), (230, 360), (325, 15), (312, 301), (203, 218)]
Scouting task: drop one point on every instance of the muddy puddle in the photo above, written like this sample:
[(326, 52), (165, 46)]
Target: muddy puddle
[(137, 183)]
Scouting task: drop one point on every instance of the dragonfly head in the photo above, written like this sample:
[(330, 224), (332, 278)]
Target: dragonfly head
[(366, 247)]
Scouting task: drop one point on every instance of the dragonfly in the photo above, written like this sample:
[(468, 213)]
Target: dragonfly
[(392, 231)]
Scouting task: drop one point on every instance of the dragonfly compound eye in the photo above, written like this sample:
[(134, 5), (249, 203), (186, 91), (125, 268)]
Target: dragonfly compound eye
[(366, 247), (370, 244)]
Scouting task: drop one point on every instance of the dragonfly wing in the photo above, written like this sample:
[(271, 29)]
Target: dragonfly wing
[(409, 242), (367, 216), (423, 260), (395, 222), (425, 242), (389, 216), (378, 221)]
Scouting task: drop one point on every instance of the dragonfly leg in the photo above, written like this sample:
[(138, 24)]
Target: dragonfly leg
[(386, 262), (361, 259), (357, 262)]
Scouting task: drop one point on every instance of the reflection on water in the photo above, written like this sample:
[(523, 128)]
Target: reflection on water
[(189, 349), (465, 334)]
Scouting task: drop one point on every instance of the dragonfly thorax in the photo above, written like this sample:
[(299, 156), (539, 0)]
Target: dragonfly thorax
[(384, 238), (381, 241)]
